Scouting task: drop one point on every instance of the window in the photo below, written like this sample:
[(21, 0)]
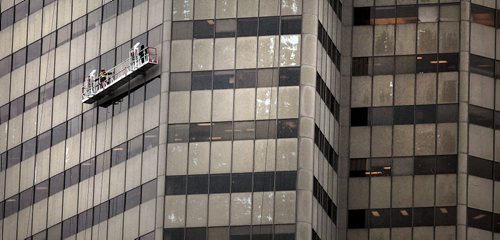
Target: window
[(29, 148), (480, 167), (41, 191), (481, 116), (136, 97), (61, 84), (118, 154), (222, 131), (481, 65), (7, 18), (94, 19), (219, 183), (178, 133), (34, 50), (403, 114), (180, 81), (425, 114), (11, 205), (54, 232), (479, 219), (21, 10), (35, 5), (447, 113), (89, 118), (74, 126), (401, 217), (361, 66), (26, 198), (383, 65), (265, 129), (56, 183), (240, 233), (425, 165), (17, 107), (148, 191), (362, 16), (4, 113), (380, 218), (124, 5), (405, 64), (63, 35), (155, 36), (448, 62), (132, 198), (358, 167), (59, 133), (384, 15), (69, 227), (482, 15), (135, 146), (5, 65), (176, 185), (109, 10), (76, 77), (19, 58), (406, 14), (247, 27), (241, 182), (357, 219), (182, 30), (269, 26), (268, 77), (446, 164), (287, 128), (423, 216), (108, 60), (285, 180), (360, 117), (291, 25), (199, 132), (87, 169), (48, 42), (244, 130), (197, 184), (289, 76), (103, 162), (151, 139), (225, 28), (14, 156), (223, 79), (173, 233), (43, 141), (246, 78), (71, 176), (196, 233), (381, 116), (116, 205), (101, 211), (85, 219), (201, 81), (46, 92), (263, 181), (153, 88), (446, 216), (203, 29)]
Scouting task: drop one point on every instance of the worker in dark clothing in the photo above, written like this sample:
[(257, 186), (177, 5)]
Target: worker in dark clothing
[(103, 78), (142, 54)]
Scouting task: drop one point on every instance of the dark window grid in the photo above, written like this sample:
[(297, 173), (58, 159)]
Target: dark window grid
[(330, 47), (325, 148), (72, 128)]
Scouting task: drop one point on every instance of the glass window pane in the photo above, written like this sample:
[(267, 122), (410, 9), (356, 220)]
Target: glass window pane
[(148, 191), (482, 15), (87, 169), (247, 27), (182, 30), (285, 181), (19, 58), (197, 184), (244, 130), (132, 198), (175, 185), (246, 78), (35, 5), (151, 139), (263, 181), (29, 148), (41, 191), (56, 183), (481, 116), (74, 126), (34, 50), (203, 29), (72, 176), (380, 218), (480, 167), (116, 205), (7, 18), (291, 25), (26, 198), (265, 129), (201, 80), (447, 113), (43, 141), (289, 76), (109, 10), (360, 117), (401, 217), (61, 84), (482, 65), (222, 131), (178, 133), (180, 81), (223, 79), (425, 165), (225, 28), (22, 10), (269, 26), (425, 114), (241, 182), (135, 146), (94, 19), (124, 5), (423, 216), (118, 154), (59, 133), (63, 34), (48, 42), (103, 161), (219, 183), (362, 16)]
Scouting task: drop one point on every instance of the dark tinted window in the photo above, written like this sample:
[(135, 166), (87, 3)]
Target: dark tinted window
[(223, 79), (289, 76), (244, 130), (424, 165), (362, 16), (29, 148), (182, 30), (222, 131), (247, 27), (381, 116), (446, 164), (265, 129), (135, 146), (101, 211), (4, 113), (74, 126), (268, 77), (124, 5), (203, 29), (219, 183), (109, 10), (423, 216), (19, 58), (196, 233), (175, 185), (241, 182), (61, 84), (481, 116), (148, 191), (85, 219), (153, 88), (178, 133), (447, 113), (173, 234), (72, 176), (380, 218), (285, 180), (94, 19), (291, 25), (403, 114), (69, 226), (197, 184), (479, 219), (481, 65), (482, 15), (103, 161), (383, 65), (401, 217), (287, 128), (59, 133), (425, 114), (357, 219), (46, 92), (405, 64), (14, 156), (199, 132), (446, 216), (448, 62), (34, 50), (76, 77), (63, 34), (201, 80), (54, 232), (43, 141), (26, 198), (35, 5), (116, 205), (118, 154), (406, 14), (7, 18), (41, 191), (49, 42), (269, 26), (360, 117), (225, 28), (480, 167), (246, 78), (5, 65), (11, 205), (263, 181), (132, 198), (89, 118), (87, 169), (56, 183), (79, 27), (180, 81)]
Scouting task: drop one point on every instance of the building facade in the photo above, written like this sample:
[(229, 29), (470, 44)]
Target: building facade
[(264, 119)]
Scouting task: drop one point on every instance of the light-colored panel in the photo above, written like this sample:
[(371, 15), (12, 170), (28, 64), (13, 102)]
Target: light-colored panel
[(222, 105), (175, 211), (199, 158), (243, 158), (244, 104), (177, 154), (218, 210), (197, 206), (224, 53), (181, 56), (203, 54), (246, 53), (221, 157)]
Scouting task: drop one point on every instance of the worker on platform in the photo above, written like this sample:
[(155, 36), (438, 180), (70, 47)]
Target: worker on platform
[(103, 78), (142, 54)]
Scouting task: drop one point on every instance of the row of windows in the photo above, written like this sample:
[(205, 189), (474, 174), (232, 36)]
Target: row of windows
[(65, 34), (337, 7), (324, 200), (256, 232), (327, 97), (485, 15), (228, 79), (484, 117), (20, 11), (389, 65), (402, 217), (362, 167), (326, 148), (327, 43), (75, 125), (79, 173), (230, 183), (226, 131), (239, 27), (100, 213), (382, 15), (483, 168), (409, 114), (484, 66), (483, 220)]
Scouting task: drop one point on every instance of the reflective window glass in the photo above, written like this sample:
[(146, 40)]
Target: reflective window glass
[(481, 65), (132, 198), (72, 176), (135, 146), (289, 76), (14, 156), (19, 58), (197, 184), (34, 50), (56, 183), (41, 191), (291, 25), (481, 116), (423, 216), (61, 84), (118, 154), (269, 26), (182, 30), (225, 28), (265, 129), (203, 29), (380, 218), (116, 205), (482, 15), (219, 183), (263, 181), (17, 107), (175, 185), (246, 78), (222, 131), (7, 18), (29, 148), (109, 10), (247, 27), (244, 130), (362, 16), (94, 19), (178, 133), (241, 182), (63, 35)]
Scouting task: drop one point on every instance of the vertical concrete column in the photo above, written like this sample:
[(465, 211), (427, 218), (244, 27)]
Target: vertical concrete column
[(463, 120), (306, 133), (345, 110)]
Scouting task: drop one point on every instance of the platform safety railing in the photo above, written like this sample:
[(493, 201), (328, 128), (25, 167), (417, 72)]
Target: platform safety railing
[(94, 84)]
